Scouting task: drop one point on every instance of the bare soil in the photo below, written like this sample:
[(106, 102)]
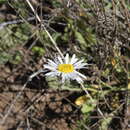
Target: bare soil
[(36, 107)]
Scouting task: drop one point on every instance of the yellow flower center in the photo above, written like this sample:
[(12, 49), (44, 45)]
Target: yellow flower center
[(66, 68)]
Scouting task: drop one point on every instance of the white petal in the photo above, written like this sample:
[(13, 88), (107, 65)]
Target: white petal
[(80, 66), (78, 63), (68, 76), (46, 66), (67, 58), (73, 76), (60, 60), (52, 63), (79, 80), (58, 73), (73, 59), (81, 75), (51, 74), (64, 77)]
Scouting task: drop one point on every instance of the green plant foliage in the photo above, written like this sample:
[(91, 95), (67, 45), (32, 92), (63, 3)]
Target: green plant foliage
[(38, 50), (3, 1), (80, 38), (56, 83), (105, 123), (43, 38), (16, 58), (56, 4), (12, 36), (95, 30), (88, 107), (21, 7), (4, 57)]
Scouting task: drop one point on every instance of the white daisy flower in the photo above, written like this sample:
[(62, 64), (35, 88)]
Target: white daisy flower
[(66, 68)]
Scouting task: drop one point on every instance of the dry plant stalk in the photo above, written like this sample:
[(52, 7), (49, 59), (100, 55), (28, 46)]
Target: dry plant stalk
[(49, 35)]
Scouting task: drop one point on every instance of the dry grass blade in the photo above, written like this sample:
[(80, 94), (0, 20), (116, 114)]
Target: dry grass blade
[(38, 18), (12, 104)]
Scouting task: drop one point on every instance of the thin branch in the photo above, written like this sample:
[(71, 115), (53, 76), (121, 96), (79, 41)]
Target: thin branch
[(2, 25), (39, 20), (82, 86), (12, 104)]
